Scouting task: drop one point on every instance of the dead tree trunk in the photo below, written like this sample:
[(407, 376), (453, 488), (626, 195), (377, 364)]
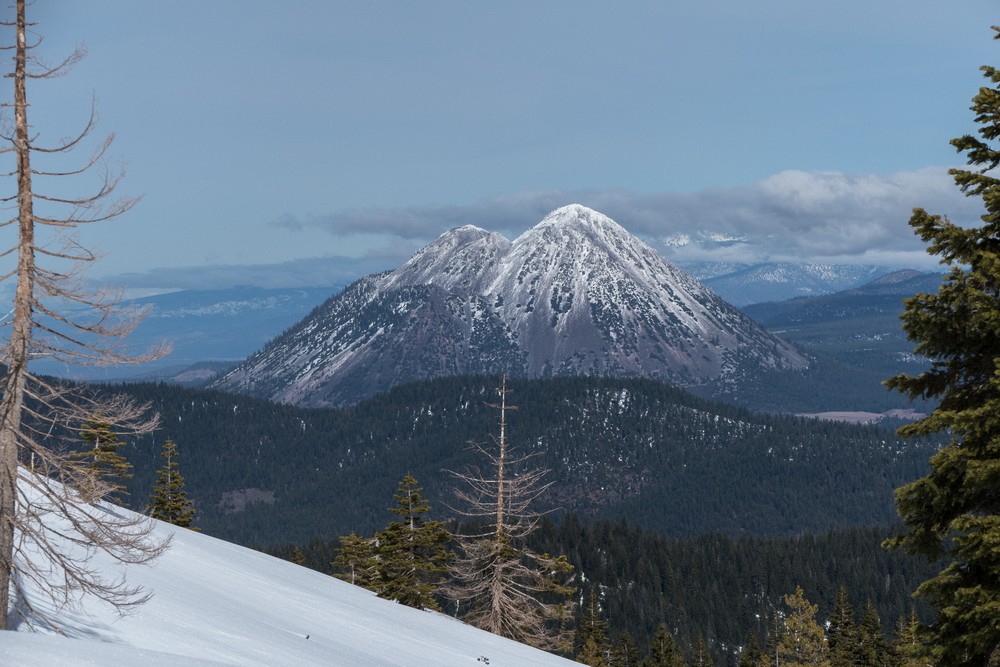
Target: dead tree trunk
[(503, 586), (40, 506), (21, 329)]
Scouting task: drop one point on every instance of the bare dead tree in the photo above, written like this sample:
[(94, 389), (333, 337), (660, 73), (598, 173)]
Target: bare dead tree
[(501, 585), (52, 517)]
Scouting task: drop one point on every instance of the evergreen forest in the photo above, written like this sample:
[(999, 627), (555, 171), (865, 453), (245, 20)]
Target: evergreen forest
[(727, 591), (728, 511), (260, 473)]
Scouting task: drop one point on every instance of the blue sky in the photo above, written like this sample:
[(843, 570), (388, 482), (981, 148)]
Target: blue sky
[(310, 142)]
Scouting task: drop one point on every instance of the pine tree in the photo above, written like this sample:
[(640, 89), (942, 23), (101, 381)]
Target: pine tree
[(592, 635), (297, 556), (663, 651), (872, 647), (775, 635), (954, 512), (701, 657), (803, 643), (909, 649), (842, 633), (355, 561), (103, 458), (412, 553), (624, 653), (169, 501), (752, 655)]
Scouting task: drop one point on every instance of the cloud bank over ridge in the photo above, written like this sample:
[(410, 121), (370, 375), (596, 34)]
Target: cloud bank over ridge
[(795, 216)]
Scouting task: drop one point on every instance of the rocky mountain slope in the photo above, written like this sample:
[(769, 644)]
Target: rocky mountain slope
[(575, 295)]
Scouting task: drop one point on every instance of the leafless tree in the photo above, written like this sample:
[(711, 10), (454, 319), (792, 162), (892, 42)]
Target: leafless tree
[(498, 584), (52, 517)]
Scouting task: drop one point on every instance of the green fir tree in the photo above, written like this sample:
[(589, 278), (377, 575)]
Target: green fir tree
[(772, 648), (297, 556), (592, 635), (873, 650), (412, 552), (701, 656), (169, 501), (842, 632), (355, 562), (663, 651), (103, 458), (752, 655), (909, 649), (952, 515), (803, 643), (624, 652)]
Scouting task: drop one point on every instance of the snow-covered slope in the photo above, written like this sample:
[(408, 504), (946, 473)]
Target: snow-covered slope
[(586, 296), (575, 295), (216, 603)]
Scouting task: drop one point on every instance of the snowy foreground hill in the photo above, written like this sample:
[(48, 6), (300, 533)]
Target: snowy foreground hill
[(216, 603)]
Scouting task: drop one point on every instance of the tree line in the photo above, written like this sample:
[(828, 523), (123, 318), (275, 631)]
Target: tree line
[(643, 599)]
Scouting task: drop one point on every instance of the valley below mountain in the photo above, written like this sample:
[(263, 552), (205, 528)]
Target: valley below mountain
[(855, 341), (264, 473)]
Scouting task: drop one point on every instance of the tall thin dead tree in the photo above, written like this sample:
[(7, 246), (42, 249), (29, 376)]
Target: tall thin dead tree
[(48, 529), (498, 584)]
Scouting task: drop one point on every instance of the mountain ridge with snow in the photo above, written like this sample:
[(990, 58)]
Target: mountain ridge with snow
[(574, 295)]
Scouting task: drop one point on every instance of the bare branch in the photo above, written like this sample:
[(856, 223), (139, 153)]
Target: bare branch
[(52, 516), (504, 587), (63, 68)]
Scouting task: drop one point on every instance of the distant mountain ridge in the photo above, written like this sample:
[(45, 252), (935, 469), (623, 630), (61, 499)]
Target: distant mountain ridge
[(746, 284), (882, 296), (219, 325), (213, 330), (575, 295)]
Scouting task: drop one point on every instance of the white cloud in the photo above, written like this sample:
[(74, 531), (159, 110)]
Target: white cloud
[(823, 217), (792, 215)]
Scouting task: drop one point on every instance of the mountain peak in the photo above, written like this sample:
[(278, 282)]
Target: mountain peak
[(576, 294), (574, 232), (577, 215), (575, 212), (459, 257), (467, 231)]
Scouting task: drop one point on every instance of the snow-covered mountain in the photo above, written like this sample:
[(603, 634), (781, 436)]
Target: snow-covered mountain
[(576, 294), (744, 284), (216, 603)]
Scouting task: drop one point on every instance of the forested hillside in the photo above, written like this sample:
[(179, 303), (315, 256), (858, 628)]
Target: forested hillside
[(262, 473), (854, 341), (720, 588)]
